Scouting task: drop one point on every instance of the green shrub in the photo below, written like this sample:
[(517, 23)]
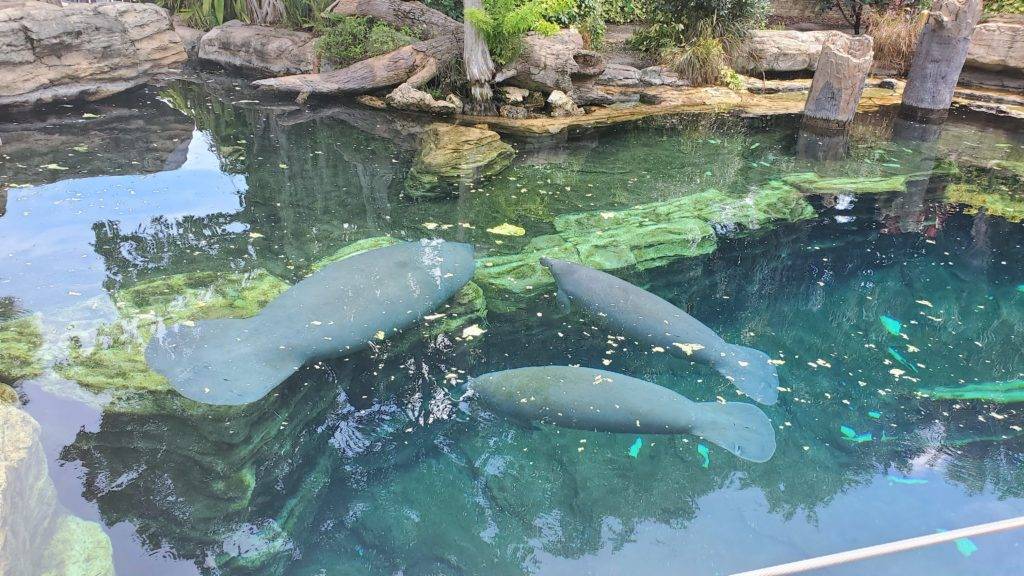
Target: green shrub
[(504, 23), (587, 17), (205, 14), (1004, 6), (451, 8), (346, 39), (625, 11), (676, 22), (701, 61)]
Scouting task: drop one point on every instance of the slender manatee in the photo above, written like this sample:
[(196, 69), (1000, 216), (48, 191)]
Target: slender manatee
[(647, 318), (591, 399), (331, 313)]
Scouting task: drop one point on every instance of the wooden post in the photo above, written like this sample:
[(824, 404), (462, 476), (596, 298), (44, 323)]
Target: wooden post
[(821, 146), (843, 66), (938, 59)]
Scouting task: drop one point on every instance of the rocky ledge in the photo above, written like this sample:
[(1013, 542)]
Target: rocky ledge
[(82, 51)]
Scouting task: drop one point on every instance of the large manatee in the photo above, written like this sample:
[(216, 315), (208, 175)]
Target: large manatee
[(333, 312), (647, 318), (590, 399)]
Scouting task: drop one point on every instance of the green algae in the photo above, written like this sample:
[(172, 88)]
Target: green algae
[(1005, 392), (993, 202), (115, 362), (467, 306), (20, 343), (357, 247), (811, 183)]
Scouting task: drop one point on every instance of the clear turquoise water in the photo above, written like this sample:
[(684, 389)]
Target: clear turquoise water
[(367, 465)]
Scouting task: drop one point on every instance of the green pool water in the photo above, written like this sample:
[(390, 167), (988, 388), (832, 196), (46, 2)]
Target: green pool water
[(190, 202)]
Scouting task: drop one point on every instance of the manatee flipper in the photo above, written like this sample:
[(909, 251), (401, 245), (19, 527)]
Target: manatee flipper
[(740, 428), (562, 299), (751, 372), (217, 362)]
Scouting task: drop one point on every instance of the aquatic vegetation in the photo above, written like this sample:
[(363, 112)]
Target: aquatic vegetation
[(994, 203), (811, 183), (114, 362), (1005, 392), (20, 344), (357, 247)]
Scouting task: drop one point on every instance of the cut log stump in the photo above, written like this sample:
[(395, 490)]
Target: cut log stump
[(939, 58), (842, 69)]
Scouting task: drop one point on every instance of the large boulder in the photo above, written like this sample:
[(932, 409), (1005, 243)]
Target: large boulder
[(51, 53), (998, 45), (451, 154), (555, 62), (778, 51), (258, 50), (620, 75)]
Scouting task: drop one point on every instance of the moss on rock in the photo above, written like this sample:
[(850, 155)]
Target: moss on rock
[(641, 237), (976, 198), (452, 154), (115, 362), (20, 344)]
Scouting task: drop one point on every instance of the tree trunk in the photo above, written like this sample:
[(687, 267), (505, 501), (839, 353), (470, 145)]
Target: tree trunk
[(940, 55), (843, 66), (423, 20), (479, 67)]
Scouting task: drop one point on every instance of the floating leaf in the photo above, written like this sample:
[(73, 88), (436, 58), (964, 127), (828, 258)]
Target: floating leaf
[(90, 115), (705, 455), (924, 303), (966, 546), (875, 414), (507, 229), (54, 167), (634, 450), (688, 348), (81, 148), (891, 324), (910, 481), (473, 331)]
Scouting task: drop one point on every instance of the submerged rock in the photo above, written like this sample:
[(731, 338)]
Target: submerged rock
[(82, 51), (994, 203), (260, 50), (641, 237), (450, 154)]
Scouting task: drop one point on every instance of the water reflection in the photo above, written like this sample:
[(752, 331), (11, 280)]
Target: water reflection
[(366, 464)]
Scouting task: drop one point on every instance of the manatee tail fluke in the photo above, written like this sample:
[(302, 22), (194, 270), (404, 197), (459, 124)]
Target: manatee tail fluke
[(752, 374), (740, 428), (205, 361)]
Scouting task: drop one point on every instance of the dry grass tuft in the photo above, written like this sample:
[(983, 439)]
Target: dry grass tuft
[(895, 33)]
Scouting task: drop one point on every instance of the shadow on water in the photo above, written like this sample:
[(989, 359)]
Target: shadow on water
[(367, 465)]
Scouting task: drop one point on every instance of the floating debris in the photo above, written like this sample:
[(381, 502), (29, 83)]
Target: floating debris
[(705, 455), (470, 332), (634, 450), (851, 435), (507, 229), (1020, 288), (892, 325), (875, 414)]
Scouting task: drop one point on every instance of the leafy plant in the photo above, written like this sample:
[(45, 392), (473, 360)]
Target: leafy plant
[(587, 17), (700, 61), (346, 39), (677, 22), (624, 11), (503, 23), (1004, 6)]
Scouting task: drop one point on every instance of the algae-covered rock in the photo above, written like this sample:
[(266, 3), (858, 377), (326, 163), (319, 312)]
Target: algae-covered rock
[(1006, 392), (357, 247), (811, 183), (8, 395), (451, 154), (20, 343), (116, 361), (641, 237), (995, 203), (79, 548), (467, 306)]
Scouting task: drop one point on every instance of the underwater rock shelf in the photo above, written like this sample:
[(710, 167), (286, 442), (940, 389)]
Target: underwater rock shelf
[(1008, 392), (645, 236)]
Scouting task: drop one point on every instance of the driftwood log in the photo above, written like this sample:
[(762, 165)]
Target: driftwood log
[(939, 58), (843, 66), (546, 63)]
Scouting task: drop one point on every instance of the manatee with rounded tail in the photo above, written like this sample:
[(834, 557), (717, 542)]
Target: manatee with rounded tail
[(647, 318), (333, 312), (591, 399)]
